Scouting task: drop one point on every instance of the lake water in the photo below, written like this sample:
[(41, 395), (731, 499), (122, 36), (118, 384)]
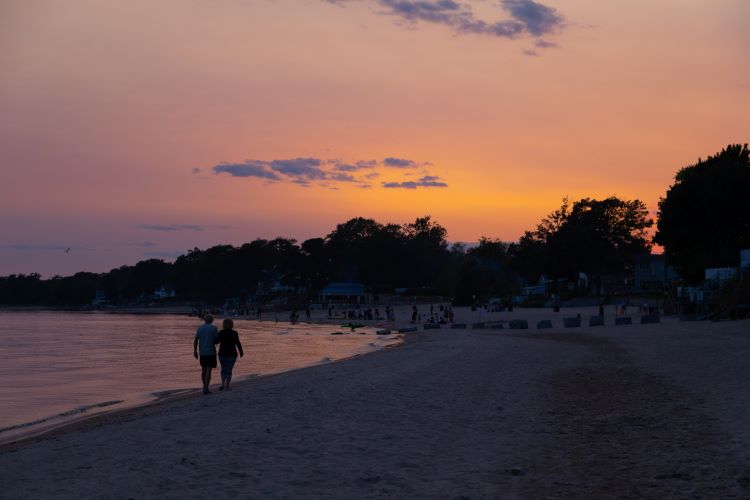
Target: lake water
[(61, 366)]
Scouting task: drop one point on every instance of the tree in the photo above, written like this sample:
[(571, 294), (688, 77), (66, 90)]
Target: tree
[(704, 219), (485, 272), (593, 236)]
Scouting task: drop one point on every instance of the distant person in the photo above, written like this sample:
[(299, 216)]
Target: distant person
[(204, 349), (229, 345)]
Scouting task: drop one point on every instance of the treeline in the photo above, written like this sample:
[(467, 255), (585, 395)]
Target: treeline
[(415, 256), (704, 220)]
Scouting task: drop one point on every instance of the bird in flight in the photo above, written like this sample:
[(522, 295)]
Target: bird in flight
[(67, 250)]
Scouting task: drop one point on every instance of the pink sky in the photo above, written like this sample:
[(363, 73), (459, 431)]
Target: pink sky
[(113, 117)]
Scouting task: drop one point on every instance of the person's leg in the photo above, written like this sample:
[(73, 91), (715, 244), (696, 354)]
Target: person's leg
[(222, 362), (208, 378), (204, 377), (230, 360)]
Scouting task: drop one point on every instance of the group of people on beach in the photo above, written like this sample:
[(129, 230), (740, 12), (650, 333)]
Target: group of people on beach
[(204, 349)]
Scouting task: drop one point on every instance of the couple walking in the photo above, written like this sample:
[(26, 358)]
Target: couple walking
[(204, 349)]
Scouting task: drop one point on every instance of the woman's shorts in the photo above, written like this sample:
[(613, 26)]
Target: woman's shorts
[(208, 361)]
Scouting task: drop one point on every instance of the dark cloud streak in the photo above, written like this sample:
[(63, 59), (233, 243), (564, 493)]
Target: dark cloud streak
[(527, 17), (308, 171)]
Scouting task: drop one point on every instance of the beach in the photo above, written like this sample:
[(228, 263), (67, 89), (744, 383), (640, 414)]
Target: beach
[(639, 411)]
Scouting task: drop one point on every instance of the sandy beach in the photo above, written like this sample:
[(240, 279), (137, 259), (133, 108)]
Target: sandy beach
[(641, 411)]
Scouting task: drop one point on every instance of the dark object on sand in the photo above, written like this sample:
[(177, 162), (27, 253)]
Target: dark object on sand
[(624, 320), (458, 326), (431, 326), (519, 324), (572, 322), (545, 323), (650, 318), (383, 332), (337, 333), (596, 321)]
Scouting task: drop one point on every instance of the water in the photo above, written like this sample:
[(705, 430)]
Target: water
[(60, 366)]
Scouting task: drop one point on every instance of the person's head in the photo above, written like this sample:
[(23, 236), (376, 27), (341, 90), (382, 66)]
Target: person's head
[(208, 318), (228, 324)]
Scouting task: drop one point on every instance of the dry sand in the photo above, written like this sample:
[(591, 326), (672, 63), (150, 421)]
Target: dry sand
[(642, 411)]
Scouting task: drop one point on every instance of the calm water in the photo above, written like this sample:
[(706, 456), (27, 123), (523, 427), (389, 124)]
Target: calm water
[(59, 366)]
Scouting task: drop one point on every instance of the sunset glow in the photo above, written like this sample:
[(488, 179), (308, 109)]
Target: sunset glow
[(120, 121)]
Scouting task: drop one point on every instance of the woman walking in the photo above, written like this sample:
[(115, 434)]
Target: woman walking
[(229, 344)]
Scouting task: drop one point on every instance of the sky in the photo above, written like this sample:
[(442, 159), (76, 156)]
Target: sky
[(141, 129)]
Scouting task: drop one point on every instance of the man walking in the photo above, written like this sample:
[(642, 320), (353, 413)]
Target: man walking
[(205, 343)]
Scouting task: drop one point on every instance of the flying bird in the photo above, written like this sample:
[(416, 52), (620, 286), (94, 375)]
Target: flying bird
[(67, 250)]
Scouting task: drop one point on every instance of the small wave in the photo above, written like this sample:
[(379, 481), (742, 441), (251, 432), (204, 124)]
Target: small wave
[(75, 411)]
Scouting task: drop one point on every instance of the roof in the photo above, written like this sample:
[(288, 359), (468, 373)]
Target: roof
[(344, 289)]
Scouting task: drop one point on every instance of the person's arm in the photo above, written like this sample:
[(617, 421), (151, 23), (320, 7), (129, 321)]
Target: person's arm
[(239, 346), (195, 347)]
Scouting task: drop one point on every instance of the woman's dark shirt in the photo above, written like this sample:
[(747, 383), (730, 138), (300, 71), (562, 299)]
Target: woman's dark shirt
[(229, 343)]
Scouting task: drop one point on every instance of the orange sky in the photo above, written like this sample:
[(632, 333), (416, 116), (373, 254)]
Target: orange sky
[(108, 110)]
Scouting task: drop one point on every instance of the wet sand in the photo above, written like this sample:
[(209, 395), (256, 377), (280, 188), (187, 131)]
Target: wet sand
[(642, 411)]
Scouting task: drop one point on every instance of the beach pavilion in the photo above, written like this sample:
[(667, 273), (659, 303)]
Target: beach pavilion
[(344, 293)]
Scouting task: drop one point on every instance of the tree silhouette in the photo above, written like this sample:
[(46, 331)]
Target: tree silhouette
[(704, 219), (593, 236)]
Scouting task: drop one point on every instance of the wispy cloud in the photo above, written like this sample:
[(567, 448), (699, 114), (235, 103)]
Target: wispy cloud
[(428, 181), (524, 17), (142, 244), (250, 168), (179, 227), (166, 254), (400, 163), (36, 247), (306, 171)]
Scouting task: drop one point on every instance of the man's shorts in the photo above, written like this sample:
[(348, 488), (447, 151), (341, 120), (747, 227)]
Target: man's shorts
[(208, 361)]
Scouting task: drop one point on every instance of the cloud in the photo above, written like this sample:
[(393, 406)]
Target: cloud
[(196, 170), (301, 170), (166, 254), (354, 167), (530, 52), (306, 171), (250, 168), (425, 182), (544, 44), (178, 227), (526, 17), (538, 19), (142, 244), (34, 247), (400, 163)]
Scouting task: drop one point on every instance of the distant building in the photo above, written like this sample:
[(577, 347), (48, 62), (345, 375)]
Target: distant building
[(744, 264), (345, 293), (272, 283), (100, 298), (163, 293), (649, 273)]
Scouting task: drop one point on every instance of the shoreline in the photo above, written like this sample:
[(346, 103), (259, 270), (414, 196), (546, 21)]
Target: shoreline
[(650, 410), (161, 400)]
